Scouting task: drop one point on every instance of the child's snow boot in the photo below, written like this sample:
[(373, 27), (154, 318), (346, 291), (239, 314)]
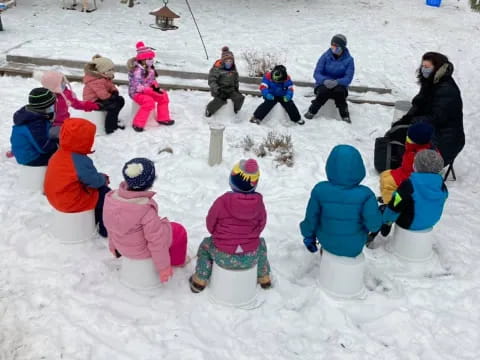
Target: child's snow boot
[(196, 285), (265, 282)]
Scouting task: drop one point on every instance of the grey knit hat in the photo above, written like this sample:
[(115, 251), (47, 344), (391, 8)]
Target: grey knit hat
[(428, 161), (339, 40)]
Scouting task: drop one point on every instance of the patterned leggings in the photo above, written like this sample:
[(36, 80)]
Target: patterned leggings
[(208, 253)]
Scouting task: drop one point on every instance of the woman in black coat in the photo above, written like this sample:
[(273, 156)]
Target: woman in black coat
[(439, 103)]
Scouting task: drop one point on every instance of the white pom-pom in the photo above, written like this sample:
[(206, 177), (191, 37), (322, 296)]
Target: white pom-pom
[(133, 170), (37, 75)]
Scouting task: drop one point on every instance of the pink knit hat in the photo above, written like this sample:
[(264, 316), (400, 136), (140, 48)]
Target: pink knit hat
[(144, 52), (52, 80)]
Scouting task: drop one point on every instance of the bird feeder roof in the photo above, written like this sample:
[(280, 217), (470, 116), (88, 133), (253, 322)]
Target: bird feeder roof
[(165, 12)]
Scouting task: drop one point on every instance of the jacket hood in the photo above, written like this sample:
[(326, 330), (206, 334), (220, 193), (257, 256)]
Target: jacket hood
[(132, 63), (24, 116), (128, 208), (77, 135), (91, 74), (445, 71), (430, 187), (244, 206), (345, 166)]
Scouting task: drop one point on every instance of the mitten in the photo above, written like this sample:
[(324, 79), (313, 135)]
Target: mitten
[(166, 274), (330, 84), (310, 244), (287, 98), (107, 179), (269, 97)]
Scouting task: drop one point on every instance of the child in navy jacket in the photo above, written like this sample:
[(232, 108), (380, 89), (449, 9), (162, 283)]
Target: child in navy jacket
[(277, 87)]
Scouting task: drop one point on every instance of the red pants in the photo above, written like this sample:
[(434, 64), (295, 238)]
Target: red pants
[(147, 104)]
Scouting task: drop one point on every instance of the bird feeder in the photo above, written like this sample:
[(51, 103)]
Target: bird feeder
[(164, 18)]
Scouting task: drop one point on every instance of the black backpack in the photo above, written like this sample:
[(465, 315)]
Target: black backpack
[(389, 149)]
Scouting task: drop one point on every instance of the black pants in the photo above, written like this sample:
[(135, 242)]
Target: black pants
[(219, 101), (102, 191), (267, 105), (338, 94), (113, 105)]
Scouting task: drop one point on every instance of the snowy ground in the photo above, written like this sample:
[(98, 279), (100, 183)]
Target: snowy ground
[(60, 301)]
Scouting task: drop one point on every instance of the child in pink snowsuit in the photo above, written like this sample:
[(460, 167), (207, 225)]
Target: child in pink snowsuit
[(144, 89), (134, 228), (57, 83)]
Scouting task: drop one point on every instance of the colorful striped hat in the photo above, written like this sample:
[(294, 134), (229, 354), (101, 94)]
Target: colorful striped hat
[(244, 176), (144, 52)]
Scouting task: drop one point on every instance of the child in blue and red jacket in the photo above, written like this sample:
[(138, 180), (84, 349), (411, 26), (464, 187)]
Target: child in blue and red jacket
[(277, 87)]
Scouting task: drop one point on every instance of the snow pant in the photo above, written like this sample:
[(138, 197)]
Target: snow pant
[(208, 253), (102, 191), (113, 105), (267, 105), (219, 101), (387, 186), (147, 104), (338, 94), (178, 248), (42, 160)]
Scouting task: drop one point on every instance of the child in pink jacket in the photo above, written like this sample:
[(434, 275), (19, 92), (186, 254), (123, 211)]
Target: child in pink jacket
[(99, 88), (235, 222), (144, 89), (57, 83), (134, 228)]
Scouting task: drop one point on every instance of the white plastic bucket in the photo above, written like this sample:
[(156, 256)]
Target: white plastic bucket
[(73, 227), (342, 276), (235, 288), (31, 178), (412, 246), (139, 274)]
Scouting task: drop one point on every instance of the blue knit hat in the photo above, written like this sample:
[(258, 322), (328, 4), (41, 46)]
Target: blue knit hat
[(420, 133), (244, 176), (139, 174)]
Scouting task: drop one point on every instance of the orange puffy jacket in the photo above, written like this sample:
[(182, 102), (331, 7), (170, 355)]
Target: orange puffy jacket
[(71, 181)]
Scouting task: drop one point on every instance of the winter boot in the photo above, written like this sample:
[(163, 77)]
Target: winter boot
[(344, 114), (166, 123), (265, 282), (196, 285), (137, 128), (301, 122), (254, 120), (308, 115), (207, 113)]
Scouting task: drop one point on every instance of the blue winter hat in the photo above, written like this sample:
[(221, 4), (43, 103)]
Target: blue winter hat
[(420, 133), (139, 174)]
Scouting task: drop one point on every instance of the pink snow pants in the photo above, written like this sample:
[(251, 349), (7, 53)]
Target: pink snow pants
[(147, 104), (178, 249)]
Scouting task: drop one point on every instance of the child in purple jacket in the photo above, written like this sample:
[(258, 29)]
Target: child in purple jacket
[(235, 222)]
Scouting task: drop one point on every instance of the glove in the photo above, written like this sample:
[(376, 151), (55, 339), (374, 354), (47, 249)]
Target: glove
[(287, 98), (385, 229), (330, 84), (107, 179), (91, 106), (269, 96), (311, 244), (166, 274), (157, 90)]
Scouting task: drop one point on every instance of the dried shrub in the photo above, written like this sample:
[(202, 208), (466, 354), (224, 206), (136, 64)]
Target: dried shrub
[(280, 146), (259, 63), (475, 5)]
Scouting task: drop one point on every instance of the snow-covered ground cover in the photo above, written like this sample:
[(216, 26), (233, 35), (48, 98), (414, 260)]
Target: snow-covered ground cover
[(59, 301)]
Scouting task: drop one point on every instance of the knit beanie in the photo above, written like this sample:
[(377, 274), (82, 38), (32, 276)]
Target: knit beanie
[(244, 176), (420, 133), (428, 161), (52, 80), (102, 64), (339, 40), (227, 54), (139, 174), (41, 99), (144, 52)]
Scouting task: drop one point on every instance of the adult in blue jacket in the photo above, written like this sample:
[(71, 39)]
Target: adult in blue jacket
[(277, 87), (341, 212), (30, 142), (333, 74)]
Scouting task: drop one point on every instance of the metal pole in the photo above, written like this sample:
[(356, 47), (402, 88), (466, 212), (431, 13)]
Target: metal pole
[(198, 30)]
